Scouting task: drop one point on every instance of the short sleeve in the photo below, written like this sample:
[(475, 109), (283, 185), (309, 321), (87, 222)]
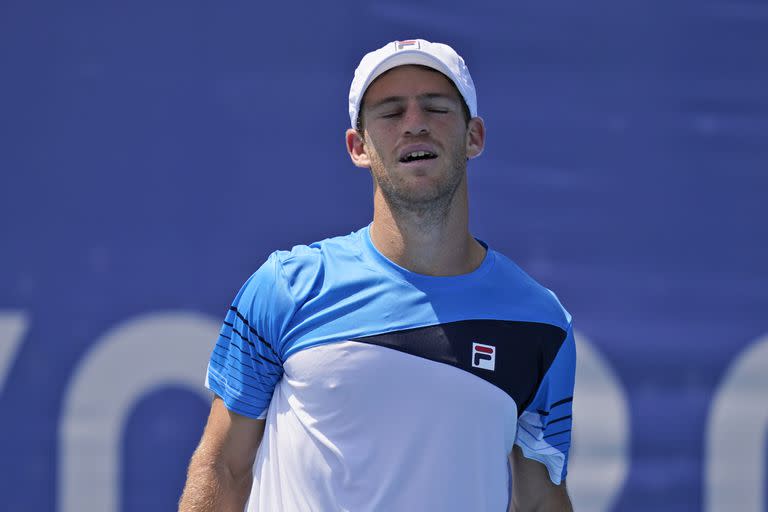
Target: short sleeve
[(544, 428), (245, 365)]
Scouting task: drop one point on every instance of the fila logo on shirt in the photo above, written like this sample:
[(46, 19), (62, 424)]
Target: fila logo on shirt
[(483, 356)]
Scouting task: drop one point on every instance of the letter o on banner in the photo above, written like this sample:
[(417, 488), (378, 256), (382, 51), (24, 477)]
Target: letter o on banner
[(131, 360), (736, 435), (599, 458)]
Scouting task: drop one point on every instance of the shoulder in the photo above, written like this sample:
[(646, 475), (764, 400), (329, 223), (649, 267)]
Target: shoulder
[(304, 268), (285, 282), (520, 286)]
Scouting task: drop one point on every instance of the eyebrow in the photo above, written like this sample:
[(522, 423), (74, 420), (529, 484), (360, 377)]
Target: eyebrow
[(400, 99)]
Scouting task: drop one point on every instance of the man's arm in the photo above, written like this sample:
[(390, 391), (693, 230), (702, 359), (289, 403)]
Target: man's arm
[(532, 490), (220, 472)]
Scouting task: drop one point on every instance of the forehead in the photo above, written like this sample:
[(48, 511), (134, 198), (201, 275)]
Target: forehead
[(410, 80)]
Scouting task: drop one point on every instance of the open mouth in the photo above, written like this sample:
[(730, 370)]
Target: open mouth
[(414, 156)]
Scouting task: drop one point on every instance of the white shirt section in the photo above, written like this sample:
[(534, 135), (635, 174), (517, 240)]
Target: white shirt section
[(536, 448), (367, 428)]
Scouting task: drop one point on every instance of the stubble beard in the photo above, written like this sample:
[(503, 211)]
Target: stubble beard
[(426, 208)]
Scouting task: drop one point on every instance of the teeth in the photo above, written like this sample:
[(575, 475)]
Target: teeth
[(417, 154)]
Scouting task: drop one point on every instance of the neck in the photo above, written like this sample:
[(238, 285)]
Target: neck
[(432, 241)]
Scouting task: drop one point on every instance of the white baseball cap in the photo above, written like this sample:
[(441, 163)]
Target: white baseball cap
[(437, 56)]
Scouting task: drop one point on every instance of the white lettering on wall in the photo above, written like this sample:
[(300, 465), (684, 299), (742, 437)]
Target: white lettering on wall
[(126, 363), (736, 435), (599, 457), (13, 327)]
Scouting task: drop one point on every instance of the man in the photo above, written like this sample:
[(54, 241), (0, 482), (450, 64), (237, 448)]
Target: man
[(403, 367)]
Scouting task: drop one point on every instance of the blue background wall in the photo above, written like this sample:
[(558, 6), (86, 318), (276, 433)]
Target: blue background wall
[(153, 154)]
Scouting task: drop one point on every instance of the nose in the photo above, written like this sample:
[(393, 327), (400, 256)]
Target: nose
[(415, 120)]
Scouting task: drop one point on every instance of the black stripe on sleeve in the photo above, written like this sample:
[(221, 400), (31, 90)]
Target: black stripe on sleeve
[(254, 347), (556, 404), (234, 377), (250, 358), (225, 348), (265, 373), (557, 433), (542, 427), (215, 358), (559, 419), (261, 339)]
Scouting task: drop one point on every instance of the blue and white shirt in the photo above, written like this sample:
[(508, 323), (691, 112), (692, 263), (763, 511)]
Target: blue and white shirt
[(386, 390)]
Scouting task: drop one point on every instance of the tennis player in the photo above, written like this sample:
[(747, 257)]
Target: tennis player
[(406, 366)]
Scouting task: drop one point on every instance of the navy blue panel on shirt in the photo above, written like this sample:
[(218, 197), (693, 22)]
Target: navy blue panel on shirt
[(522, 351)]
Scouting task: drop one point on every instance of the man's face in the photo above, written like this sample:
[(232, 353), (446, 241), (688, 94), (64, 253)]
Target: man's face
[(416, 139)]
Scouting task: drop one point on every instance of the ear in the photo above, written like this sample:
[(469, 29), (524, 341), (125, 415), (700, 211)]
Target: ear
[(356, 149), (475, 137)]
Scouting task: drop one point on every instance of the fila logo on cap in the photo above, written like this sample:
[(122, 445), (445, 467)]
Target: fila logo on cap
[(483, 356), (409, 44)]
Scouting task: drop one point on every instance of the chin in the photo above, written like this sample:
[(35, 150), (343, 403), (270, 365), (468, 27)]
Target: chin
[(420, 197), (418, 189)]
